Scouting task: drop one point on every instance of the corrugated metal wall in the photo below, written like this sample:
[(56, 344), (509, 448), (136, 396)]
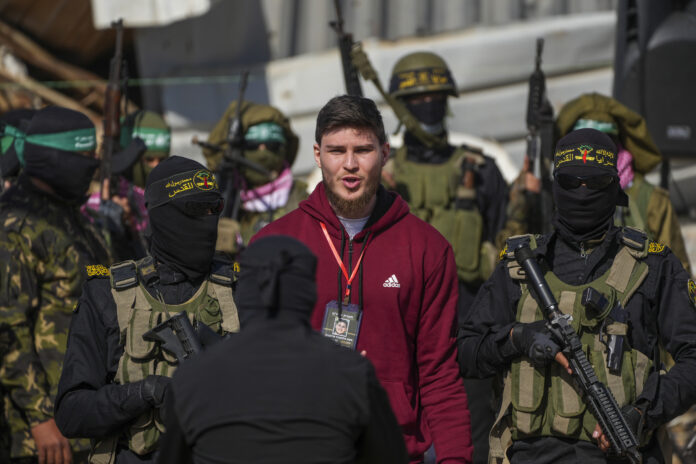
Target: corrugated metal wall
[(301, 26)]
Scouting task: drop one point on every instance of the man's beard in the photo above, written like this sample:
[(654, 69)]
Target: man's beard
[(351, 208)]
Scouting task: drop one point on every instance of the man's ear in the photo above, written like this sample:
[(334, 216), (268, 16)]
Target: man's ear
[(317, 152), (386, 150)]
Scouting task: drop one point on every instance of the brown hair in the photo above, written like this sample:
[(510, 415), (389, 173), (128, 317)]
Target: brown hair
[(350, 111)]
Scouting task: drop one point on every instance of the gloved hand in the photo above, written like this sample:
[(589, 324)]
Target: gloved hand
[(142, 396), (535, 341), (153, 389), (635, 420), (111, 217)]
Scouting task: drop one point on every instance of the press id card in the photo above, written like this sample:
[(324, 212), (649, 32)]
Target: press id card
[(342, 326)]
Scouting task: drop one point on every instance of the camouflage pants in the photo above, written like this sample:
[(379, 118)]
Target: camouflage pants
[(81, 457)]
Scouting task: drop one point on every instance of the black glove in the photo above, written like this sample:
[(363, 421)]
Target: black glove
[(634, 417), (535, 341), (153, 389), (111, 217)]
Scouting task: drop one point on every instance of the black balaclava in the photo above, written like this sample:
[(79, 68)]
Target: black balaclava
[(431, 114), (277, 274), (68, 172), (180, 194), (582, 213), (9, 163)]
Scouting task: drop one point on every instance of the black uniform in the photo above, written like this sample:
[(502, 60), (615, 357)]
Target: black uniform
[(183, 202), (661, 311), (278, 391), (89, 404)]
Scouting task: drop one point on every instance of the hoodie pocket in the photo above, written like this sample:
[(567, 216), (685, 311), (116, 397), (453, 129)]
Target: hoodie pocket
[(401, 405)]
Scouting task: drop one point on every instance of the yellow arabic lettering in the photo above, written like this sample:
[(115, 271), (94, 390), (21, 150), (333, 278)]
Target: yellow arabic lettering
[(183, 188)]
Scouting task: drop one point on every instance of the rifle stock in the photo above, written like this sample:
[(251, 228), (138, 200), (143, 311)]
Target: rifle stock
[(596, 395)]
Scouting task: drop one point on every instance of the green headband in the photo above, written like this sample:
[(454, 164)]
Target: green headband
[(155, 139), (602, 126), (180, 185), (265, 132), (74, 140)]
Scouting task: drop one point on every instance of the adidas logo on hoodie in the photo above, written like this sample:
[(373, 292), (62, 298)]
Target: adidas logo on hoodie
[(392, 282)]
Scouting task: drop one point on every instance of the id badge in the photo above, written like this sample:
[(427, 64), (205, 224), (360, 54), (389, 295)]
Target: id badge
[(342, 326)]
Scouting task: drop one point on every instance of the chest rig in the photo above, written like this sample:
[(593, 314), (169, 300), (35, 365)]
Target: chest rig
[(138, 311), (543, 401), (432, 192)]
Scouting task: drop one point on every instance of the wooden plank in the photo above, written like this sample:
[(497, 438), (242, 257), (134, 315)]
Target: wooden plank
[(52, 96)]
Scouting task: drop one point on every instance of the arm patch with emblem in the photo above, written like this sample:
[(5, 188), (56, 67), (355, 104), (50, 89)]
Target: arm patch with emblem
[(656, 248), (503, 252), (97, 270)]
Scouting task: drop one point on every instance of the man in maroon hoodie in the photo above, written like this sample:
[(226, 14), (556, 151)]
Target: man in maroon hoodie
[(389, 275)]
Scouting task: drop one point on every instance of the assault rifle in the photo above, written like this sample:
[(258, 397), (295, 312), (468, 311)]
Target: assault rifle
[(177, 336), (596, 395), (540, 144), (112, 110), (345, 43)]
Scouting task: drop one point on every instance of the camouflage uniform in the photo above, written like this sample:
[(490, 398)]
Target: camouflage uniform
[(45, 245)]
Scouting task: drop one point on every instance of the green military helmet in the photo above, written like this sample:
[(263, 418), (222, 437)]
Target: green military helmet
[(608, 115), (252, 114), (421, 72), (152, 129)]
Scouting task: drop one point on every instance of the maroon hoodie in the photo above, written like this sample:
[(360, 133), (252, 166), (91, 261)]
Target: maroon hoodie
[(408, 290)]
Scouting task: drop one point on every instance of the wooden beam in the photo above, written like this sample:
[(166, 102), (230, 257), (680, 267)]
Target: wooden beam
[(52, 96)]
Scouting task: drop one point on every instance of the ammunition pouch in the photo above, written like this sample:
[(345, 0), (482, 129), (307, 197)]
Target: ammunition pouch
[(138, 312), (543, 401)]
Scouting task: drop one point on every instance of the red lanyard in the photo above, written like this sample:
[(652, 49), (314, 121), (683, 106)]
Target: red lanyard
[(346, 298)]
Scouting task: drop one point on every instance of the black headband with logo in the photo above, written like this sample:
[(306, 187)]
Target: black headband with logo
[(180, 185), (586, 148)]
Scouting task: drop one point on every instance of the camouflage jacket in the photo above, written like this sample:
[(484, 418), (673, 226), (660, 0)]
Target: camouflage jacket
[(45, 247)]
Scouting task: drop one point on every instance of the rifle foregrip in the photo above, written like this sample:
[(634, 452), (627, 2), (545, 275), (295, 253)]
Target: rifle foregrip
[(112, 124)]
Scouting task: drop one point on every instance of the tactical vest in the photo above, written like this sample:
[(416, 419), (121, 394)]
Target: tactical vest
[(431, 191), (542, 401), (138, 312)]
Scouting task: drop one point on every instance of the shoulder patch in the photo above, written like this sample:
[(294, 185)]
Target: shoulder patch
[(691, 289), (97, 270), (503, 252), (655, 247)]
